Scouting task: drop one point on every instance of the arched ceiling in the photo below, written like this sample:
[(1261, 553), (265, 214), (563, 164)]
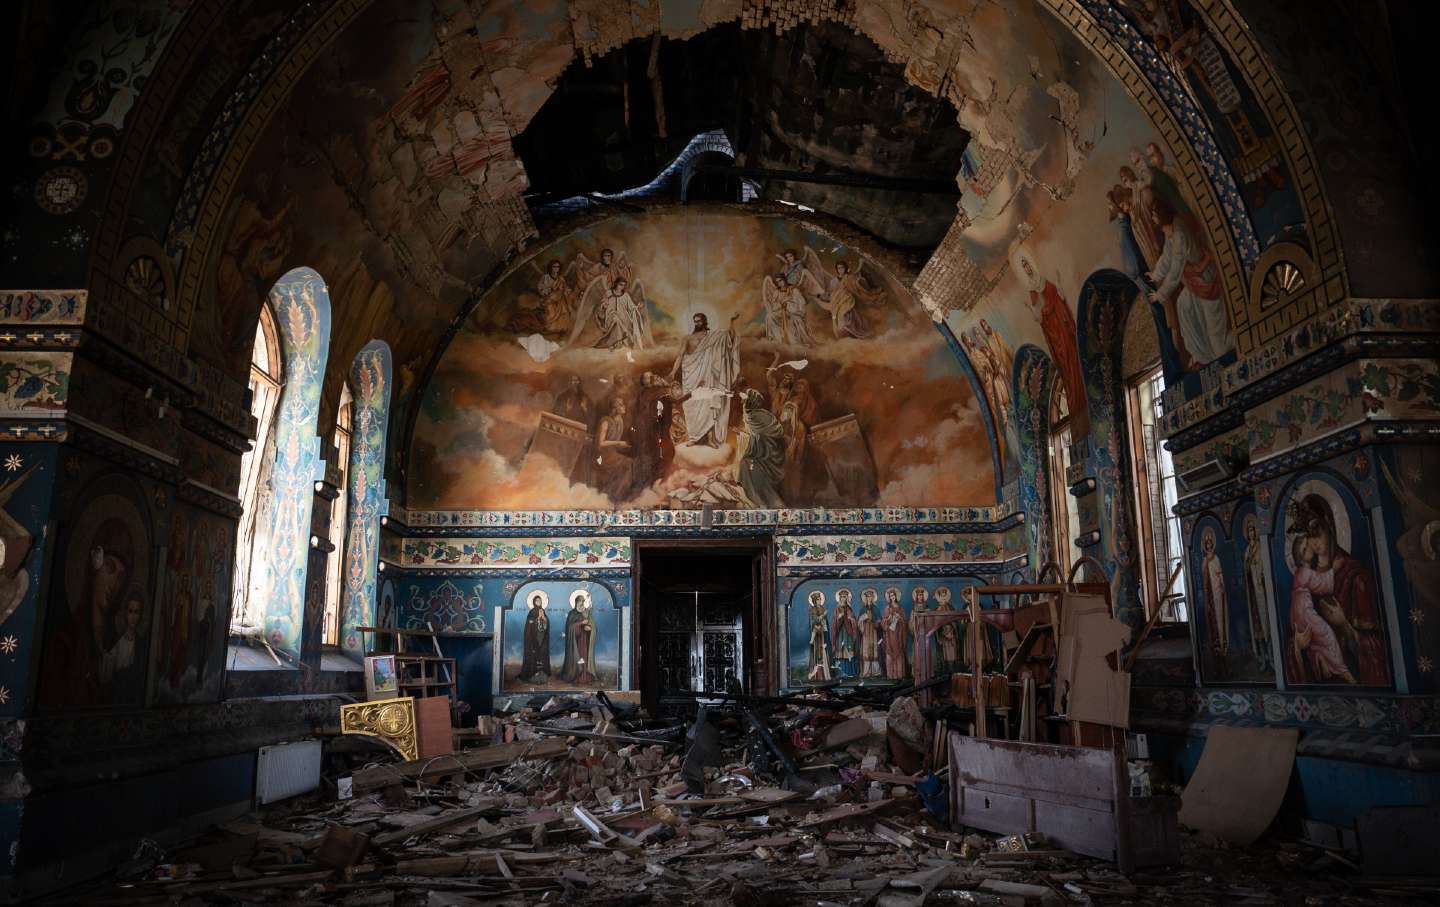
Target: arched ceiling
[(397, 146)]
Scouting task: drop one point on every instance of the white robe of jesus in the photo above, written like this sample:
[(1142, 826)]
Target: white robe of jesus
[(707, 373)]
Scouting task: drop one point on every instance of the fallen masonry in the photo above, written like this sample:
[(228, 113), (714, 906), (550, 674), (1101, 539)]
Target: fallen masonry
[(753, 802)]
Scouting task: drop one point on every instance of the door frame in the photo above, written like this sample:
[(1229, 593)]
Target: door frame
[(761, 635)]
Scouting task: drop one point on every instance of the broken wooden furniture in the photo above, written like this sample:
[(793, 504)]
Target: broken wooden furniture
[(391, 720), (1090, 687), (1077, 797), (421, 674), (473, 654)]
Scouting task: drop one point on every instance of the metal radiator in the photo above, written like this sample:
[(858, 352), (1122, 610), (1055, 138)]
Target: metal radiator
[(287, 769)]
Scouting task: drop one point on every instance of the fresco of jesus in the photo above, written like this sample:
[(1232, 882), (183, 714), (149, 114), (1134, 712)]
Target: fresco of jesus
[(707, 367)]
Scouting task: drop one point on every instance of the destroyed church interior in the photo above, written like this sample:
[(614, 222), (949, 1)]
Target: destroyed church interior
[(719, 452)]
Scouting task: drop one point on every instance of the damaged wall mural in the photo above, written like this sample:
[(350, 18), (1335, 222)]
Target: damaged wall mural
[(190, 627), (560, 636), (1331, 607), (98, 629), (685, 358), (556, 634), (864, 628), (1234, 623)]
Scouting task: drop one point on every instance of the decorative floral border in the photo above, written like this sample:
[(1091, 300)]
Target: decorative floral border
[(1404, 715), (516, 553), (800, 550), (612, 519), (34, 384), (1367, 389), (1357, 316), (43, 306), (1233, 445)]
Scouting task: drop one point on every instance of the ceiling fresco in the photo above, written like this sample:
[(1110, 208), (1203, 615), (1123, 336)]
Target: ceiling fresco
[(698, 356), (390, 169)]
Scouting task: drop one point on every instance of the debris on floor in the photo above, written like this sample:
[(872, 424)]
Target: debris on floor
[(754, 802)]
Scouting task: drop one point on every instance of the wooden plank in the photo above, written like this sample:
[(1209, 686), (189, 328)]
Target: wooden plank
[(445, 820), (1037, 767), (484, 862), (481, 759), (846, 812)]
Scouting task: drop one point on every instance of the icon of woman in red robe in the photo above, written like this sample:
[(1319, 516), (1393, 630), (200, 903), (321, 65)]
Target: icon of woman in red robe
[(1352, 607)]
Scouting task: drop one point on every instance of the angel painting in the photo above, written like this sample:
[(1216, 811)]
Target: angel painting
[(785, 308), (556, 289), (548, 306), (840, 293), (614, 300), (619, 310), (610, 266)]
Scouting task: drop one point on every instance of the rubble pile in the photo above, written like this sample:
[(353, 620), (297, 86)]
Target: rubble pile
[(753, 802)]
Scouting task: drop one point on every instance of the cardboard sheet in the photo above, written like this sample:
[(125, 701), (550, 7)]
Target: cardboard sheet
[(1092, 690), (1240, 781)]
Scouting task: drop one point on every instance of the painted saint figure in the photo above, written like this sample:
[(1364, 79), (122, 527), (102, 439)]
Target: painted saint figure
[(609, 266), (761, 466), (118, 665), (994, 374), (1315, 655), (652, 445), (785, 308), (74, 668), (707, 367), (869, 635), (772, 292), (819, 638), (535, 667), (1255, 594), (555, 299), (895, 634), (1212, 580), (572, 404), (919, 604), (797, 332), (1347, 597), (845, 635), (1187, 282), (1053, 313), (621, 319), (612, 451), (947, 658), (846, 294), (579, 667), (796, 409)]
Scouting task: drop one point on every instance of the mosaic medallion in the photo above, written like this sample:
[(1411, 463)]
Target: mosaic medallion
[(61, 190)]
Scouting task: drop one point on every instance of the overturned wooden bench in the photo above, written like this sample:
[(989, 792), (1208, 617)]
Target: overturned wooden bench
[(1077, 797)]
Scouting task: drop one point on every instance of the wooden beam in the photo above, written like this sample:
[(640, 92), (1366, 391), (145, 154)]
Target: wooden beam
[(481, 759)]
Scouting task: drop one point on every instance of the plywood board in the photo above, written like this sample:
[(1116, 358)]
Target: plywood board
[(1240, 781)]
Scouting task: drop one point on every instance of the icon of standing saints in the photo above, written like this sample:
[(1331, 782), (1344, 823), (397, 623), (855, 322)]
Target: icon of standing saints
[(579, 667), (536, 666)]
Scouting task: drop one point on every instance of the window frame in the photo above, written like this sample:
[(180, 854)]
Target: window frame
[(1143, 391), (342, 442), (266, 381)]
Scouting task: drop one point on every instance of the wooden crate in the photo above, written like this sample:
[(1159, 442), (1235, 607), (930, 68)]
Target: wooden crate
[(1077, 797)]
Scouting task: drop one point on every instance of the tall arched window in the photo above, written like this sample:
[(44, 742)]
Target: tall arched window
[(337, 520), (1161, 550), (266, 377), (1065, 517)]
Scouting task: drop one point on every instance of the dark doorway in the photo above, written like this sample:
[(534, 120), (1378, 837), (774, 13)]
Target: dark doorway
[(701, 619)]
